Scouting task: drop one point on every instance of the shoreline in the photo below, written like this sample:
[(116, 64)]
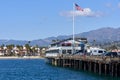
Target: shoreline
[(24, 57)]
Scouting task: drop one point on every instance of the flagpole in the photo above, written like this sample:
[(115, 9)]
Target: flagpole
[(73, 27)]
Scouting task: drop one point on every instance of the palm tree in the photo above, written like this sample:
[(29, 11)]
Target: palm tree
[(20, 48), (34, 50), (28, 49), (94, 42), (10, 49), (2, 46)]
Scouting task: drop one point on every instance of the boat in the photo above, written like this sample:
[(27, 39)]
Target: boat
[(67, 46)]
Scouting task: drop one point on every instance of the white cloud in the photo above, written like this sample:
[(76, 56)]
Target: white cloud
[(87, 12)]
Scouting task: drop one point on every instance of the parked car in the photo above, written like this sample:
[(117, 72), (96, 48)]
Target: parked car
[(118, 53), (112, 54), (96, 51)]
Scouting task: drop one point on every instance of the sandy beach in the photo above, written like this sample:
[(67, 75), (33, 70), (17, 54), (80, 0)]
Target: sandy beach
[(24, 57)]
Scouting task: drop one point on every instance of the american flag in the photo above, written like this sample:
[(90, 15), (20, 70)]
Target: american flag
[(77, 7)]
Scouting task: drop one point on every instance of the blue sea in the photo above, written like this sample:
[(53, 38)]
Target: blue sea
[(37, 69)]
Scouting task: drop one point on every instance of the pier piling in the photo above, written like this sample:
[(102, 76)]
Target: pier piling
[(107, 66)]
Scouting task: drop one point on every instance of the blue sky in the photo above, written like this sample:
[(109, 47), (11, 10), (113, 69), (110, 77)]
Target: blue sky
[(39, 19)]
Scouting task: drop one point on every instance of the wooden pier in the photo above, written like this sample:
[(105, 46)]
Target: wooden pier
[(97, 64)]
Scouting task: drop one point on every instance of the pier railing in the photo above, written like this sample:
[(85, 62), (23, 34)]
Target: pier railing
[(85, 57), (95, 58)]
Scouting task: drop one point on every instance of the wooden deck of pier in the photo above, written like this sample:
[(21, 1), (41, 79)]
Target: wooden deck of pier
[(97, 64)]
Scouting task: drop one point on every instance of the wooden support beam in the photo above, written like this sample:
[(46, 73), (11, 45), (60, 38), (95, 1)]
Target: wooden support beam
[(105, 69), (100, 68), (84, 65), (112, 74), (63, 62), (90, 66), (95, 67), (80, 64), (116, 72)]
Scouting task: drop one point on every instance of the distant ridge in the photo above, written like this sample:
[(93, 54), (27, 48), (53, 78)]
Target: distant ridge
[(100, 35), (103, 34)]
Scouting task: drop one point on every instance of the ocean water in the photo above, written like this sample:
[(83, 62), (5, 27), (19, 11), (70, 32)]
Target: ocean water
[(37, 69)]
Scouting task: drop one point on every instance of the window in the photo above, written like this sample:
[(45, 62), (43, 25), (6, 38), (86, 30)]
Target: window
[(66, 44), (95, 50), (100, 51), (53, 51), (69, 51), (63, 51)]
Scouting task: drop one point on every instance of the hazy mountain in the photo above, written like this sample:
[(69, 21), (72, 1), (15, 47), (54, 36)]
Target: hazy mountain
[(6, 42), (100, 35), (103, 34)]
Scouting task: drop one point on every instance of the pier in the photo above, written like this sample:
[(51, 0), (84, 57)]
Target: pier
[(97, 64)]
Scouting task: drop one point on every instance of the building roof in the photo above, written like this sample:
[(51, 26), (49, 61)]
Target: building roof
[(76, 39)]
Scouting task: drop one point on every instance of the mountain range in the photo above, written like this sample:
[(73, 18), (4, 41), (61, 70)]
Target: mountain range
[(100, 35)]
